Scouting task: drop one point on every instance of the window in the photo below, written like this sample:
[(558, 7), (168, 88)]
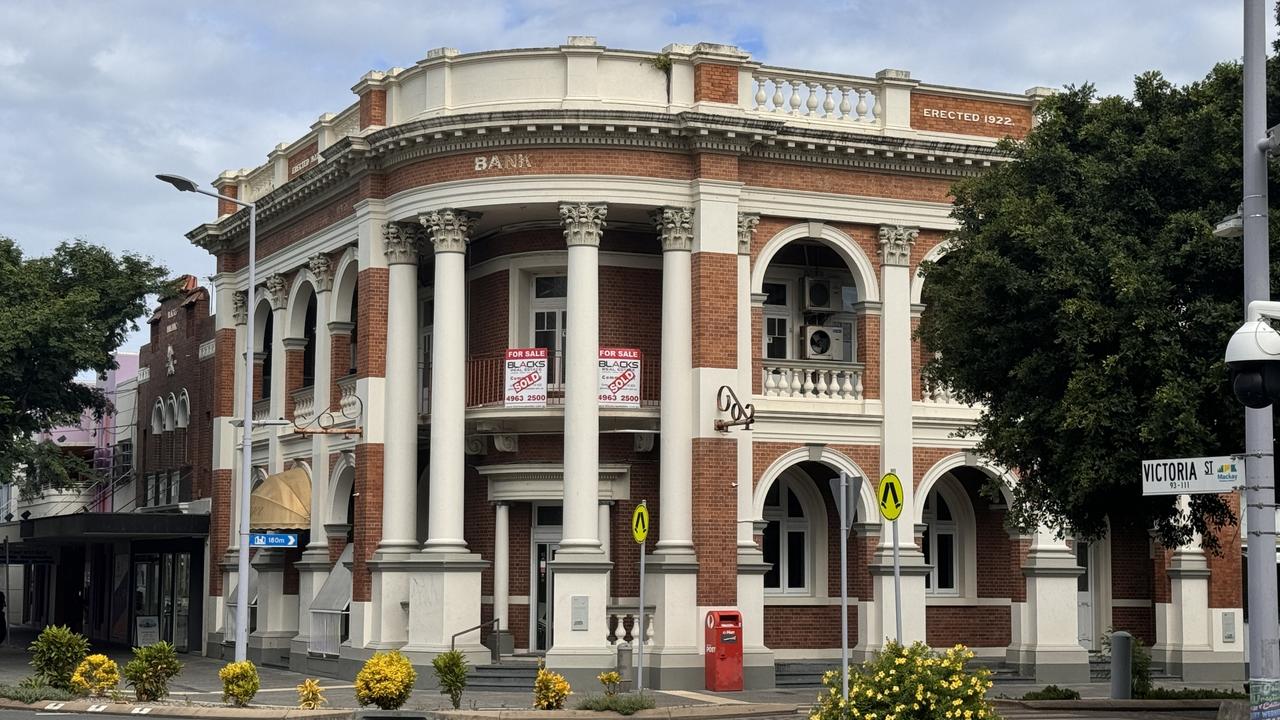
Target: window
[(777, 321), (309, 352), (264, 391), (786, 539), (426, 320), (939, 545), (550, 313)]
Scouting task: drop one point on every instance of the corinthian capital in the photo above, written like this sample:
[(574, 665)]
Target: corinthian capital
[(277, 291), (240, 306), (400, 243), (450, 229), (675, 227), (895, 244), (322, 270), (583, 223), (747, 223)]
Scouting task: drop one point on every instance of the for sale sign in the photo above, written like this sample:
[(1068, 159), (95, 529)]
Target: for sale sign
[(526, 377), (619, 377)]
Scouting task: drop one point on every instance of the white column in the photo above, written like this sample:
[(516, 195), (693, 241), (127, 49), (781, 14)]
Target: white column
[(278, 295), (450, 231), (583, 225), (243, 372), (602, 527), (675, 448), (1051, 652), (501, 564), (580, 570), (400, 446), (896, 444)]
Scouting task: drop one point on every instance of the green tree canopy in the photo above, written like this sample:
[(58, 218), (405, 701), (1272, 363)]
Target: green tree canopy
[(1086, 304), (60, 315)]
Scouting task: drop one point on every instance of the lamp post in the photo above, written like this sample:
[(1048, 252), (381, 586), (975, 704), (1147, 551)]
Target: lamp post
[(246, 463)]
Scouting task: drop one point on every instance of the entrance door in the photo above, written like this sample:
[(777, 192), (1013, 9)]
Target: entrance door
[(546, 540), (544, 552), (1084, 597)]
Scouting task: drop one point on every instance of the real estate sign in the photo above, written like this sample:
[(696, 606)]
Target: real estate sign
[(619, 377), (526, 377)]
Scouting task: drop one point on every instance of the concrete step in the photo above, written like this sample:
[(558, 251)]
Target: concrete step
[(801, 674), (510, 674)]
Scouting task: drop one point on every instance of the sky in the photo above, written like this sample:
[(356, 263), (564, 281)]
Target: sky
[(97, 97)]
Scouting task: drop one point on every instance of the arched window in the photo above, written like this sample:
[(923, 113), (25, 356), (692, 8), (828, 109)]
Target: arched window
[(157, 417), (184, 410), (786, 539), (940, 545)]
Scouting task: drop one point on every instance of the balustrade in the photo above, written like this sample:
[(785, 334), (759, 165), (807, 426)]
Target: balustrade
[(812, 379), (622, 624), (348, 401), (304, 406), (262, 410), (826, 97)]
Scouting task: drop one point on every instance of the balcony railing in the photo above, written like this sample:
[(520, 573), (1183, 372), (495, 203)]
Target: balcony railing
[(841, 98), (812, 379), (348, 400), (486, 381), (262, 410), (621, 622), (304, 407)]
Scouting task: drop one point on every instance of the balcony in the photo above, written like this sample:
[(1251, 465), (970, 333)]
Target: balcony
[(812, 379), (348, 400), (486, 383), (262, 410), (304, 406)]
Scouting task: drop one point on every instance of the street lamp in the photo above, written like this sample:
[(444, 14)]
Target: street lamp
[(246, 463)]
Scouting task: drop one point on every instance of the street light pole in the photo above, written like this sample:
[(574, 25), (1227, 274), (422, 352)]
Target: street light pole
[(246, 463), (1260, 518)]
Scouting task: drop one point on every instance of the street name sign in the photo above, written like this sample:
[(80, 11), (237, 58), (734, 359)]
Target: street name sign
[(273, 540), (1190, 476)]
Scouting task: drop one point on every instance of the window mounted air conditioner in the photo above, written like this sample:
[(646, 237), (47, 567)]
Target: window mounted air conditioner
[(820, 295), (823, 342)]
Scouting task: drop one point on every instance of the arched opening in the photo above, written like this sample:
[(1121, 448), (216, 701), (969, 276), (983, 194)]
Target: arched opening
[(264, 352), (309, 334), (353, 334)]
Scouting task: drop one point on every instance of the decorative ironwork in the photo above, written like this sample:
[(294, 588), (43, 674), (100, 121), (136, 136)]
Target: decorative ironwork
[(324, 423), (727, 401)]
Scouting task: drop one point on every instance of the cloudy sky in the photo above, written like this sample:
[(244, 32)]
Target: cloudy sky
[(96, 97)]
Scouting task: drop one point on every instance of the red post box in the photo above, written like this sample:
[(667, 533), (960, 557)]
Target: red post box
[(723, 656)]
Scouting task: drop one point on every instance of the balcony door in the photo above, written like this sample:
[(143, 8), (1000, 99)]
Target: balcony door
[(548, 320)]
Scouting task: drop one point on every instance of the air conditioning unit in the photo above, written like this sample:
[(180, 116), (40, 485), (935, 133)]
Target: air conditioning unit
[(823, 342), (820, 295)]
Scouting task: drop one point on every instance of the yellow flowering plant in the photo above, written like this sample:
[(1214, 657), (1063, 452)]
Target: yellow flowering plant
[(240, 682), (385, 680), (550, 690), (311, 695), (909, 683), (610, 679), (97, 675)]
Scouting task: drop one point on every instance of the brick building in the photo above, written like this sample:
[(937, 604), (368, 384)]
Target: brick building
[(507, 296)]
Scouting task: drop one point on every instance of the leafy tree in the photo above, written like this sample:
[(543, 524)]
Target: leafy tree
[(60, 315), (1086, 303)]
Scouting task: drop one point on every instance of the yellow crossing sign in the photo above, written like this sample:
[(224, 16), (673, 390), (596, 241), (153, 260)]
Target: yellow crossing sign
[(640, 522), (890, 496)]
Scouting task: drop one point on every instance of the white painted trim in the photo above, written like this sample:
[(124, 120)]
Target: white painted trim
[(953, 601), (334, 237), (532, 189), (544, 482), (805, 600), (1130, 603), (965, 523), (958, 460), (340, 487), (340, 297), (860, 266), (296, 309), (549, 259), (831, 458), (835, 207)]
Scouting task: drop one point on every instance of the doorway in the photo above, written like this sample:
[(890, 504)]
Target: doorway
[(547, 533), (162, 601), (1084, 597)]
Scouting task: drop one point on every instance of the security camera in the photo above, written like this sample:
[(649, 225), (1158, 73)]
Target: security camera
[(1253, 358)]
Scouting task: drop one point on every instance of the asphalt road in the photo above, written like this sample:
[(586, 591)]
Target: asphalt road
[(1007, 713)]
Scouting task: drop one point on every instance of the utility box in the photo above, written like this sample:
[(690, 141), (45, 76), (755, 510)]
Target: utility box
[(723, 652)]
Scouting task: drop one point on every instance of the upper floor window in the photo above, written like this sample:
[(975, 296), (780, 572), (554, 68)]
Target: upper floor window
[(549, 313)]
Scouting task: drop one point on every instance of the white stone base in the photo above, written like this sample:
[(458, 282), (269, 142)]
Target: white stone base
[(443, 600)]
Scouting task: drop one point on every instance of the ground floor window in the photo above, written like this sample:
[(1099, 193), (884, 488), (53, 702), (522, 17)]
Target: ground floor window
[(786, 540), (939, 546)]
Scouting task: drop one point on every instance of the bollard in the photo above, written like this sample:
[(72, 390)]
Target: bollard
[(1121, 665), (625, 668)]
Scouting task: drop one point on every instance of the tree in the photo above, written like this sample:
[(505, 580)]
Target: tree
[(59, 316), (1086, 304)]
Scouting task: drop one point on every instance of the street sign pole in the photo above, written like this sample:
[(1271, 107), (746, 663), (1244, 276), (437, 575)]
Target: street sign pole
[(844, 585), (640, 531), (897, 584)]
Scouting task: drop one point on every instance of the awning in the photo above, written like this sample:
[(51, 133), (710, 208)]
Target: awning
[(335, 594), (282, 502)]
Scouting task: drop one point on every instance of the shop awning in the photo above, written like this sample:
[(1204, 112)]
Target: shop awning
[(282, 502), (335, 594)]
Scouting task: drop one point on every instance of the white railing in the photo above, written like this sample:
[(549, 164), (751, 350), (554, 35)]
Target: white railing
[(304, 405), (812, 379), (841, 98), (260, 182), (622, 624), (348, 401), (262, 410), (326, 632), (938, 394), (144, 374)]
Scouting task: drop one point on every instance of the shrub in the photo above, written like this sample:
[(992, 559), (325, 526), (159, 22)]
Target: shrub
[(385, 680), (97, 675), (1159, 693), (610, 680), (309, 695), (550, 690), (626, 704), (239, 682), (30, 693), (55, 655), (909, 683), (1052, 692), (151, 669), (451, 675)]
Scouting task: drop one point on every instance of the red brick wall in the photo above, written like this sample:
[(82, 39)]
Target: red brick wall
[(715, 310), (339, 363), (1131, 565), (795, 176), (716, 166), (974, 116), (489, 315), (224, 370), (971, 625), (1140, 622), (807, 627), (1225, 582), (1018, 550), (226, 207), (631, 310), (303, 160), (368, 520), (219, 527), (715, 82), (373, 108), (924, 458), (764, 453), (715, 468), (869, 354), (292, 378), (371, 328)]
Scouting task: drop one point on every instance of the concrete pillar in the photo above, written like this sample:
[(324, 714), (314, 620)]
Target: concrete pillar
[(278, 295), (1051, 650), (444, 592), (400, 442), (277, 612), (501, 564), (675, 451), (580, 568)]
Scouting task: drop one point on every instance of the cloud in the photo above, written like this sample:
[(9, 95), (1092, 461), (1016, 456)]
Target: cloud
[(95, 98)]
